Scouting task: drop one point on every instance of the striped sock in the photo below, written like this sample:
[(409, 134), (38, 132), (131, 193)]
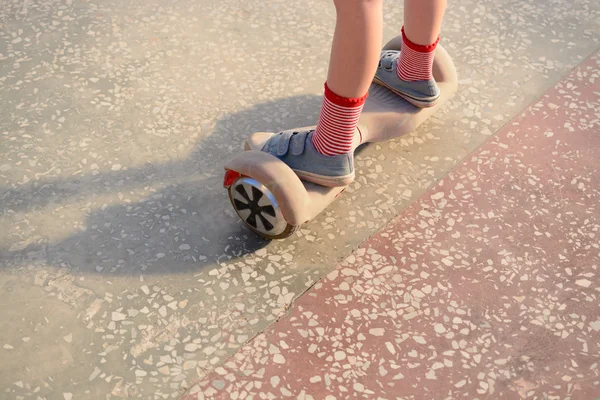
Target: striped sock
[(337, 123), (416, 61)]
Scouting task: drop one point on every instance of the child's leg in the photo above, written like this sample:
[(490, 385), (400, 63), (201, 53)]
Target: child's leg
[(409, 72), (325, 155), (423, 19), (422, 22), (354, 55), (356, 46)]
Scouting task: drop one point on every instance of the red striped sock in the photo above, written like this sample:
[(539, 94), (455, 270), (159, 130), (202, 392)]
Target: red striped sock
[(416, 61), (337, 123)]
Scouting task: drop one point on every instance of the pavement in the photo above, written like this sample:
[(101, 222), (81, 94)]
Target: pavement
[(462, 263)]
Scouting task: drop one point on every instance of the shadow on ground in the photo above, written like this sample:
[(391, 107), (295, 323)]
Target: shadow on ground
[(184, 226)]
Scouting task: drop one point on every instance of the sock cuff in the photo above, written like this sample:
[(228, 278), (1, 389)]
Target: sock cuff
[(417, 47), (344, 101)]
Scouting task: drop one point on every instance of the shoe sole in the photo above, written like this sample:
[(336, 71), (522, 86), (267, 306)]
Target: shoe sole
[(415, 102), (328, 181)]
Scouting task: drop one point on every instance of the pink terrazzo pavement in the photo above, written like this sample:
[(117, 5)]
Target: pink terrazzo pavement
[(486, 288)]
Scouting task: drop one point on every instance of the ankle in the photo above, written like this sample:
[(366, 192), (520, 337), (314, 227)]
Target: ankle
[(416, 61), (336, 131)]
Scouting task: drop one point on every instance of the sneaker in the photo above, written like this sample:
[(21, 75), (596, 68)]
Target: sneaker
[(419, 93), (295, 148)]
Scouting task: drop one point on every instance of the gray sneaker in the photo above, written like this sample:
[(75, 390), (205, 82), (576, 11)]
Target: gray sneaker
[(419, 93), (295, 148)]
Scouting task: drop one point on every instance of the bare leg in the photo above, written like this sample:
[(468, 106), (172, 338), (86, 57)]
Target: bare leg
[(423, 19), (356, 46)]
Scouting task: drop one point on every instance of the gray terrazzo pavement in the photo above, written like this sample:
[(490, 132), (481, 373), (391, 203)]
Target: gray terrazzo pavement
[(124, 271)]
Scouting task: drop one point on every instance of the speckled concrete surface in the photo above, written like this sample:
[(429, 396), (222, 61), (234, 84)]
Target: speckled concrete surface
[(487, 287), (124, 270)]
